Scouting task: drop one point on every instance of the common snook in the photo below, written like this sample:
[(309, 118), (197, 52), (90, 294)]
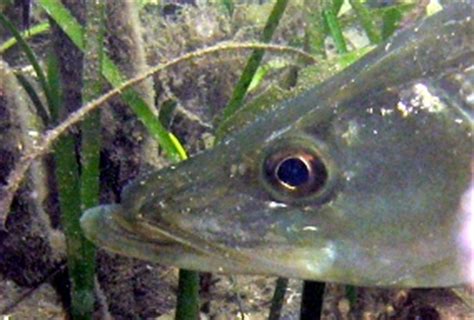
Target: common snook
[(365, 179)]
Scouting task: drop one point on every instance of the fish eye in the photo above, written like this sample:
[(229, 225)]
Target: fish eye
[(295, 173)]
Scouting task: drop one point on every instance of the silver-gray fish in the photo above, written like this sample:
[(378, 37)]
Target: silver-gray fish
[(365, 179)]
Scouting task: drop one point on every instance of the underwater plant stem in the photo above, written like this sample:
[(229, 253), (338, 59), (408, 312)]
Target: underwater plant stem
[(187, 307), (351, 294), (314, 34), (334, 28), (82, 273), (240, 89), (278, 298), (67, 176), (312, 300), (49, 137)]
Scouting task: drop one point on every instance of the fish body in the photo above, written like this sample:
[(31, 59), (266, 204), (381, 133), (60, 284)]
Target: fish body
[(361, 180)]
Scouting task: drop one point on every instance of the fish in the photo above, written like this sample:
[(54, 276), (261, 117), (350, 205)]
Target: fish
[(360, 180)]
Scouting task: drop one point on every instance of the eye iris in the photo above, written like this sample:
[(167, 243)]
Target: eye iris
[(293, 172), (320, 174)]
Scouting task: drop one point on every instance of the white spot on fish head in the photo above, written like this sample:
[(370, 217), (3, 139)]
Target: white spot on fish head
[(470, 99), (237, 169), (418, 99), (242, 169), (273, 205), (276, 134), (233, 170), (349, 175), (426, 100), (403, 108), (385, 112), (352, 132)]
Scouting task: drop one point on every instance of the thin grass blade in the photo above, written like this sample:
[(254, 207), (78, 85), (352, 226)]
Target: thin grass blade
[(41, 110), (27, 34), (6, 23), (367, 21), (253, 63), (335, 30)]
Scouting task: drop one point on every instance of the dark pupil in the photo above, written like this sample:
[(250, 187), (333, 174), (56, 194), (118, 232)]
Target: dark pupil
[(293, 172)]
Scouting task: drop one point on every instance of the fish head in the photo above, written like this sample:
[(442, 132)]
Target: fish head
[(356, 181), (364, 195)]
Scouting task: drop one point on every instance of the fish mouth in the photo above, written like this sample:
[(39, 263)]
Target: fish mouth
[(168, 245), (164, 244), (106, 228)]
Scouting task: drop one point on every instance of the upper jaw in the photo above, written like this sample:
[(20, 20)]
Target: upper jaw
[(105, 227), (165, 244)]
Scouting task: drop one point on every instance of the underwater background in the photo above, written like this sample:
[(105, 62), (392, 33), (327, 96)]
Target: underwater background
[(58, 56)]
